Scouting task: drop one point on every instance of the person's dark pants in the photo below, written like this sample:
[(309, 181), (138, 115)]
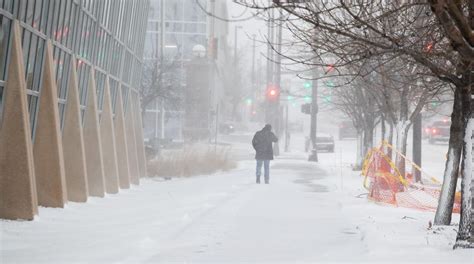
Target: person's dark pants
[(266, 167)]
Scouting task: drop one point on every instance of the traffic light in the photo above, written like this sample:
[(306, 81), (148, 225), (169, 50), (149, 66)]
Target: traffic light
[(330, 68), (307, 84), (432, 105), (330, 84), (307, 98), (248, 101), (273, 93), (327, 99), (306, 109)]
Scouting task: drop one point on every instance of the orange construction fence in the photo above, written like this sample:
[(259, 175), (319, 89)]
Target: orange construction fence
[(387, 185)]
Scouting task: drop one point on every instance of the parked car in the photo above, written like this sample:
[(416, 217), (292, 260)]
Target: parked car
[(347, 130), (325, 142), (438, 131)]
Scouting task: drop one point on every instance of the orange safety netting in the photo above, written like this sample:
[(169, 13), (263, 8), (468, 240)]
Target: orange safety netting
[(387, 185)]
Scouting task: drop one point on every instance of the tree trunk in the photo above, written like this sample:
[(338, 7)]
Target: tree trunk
[(360, 151), (390, 141), (448, 189), (367, 140), (383, 129), (464, 233), (402, 135)]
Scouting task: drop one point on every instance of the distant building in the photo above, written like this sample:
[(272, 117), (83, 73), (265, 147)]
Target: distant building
[(186, 25)]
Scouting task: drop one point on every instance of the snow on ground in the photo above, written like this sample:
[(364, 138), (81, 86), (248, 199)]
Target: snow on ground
[(311, 212)]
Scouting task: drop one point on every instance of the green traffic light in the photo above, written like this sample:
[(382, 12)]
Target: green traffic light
[(248, 101), (290, 98), (307, 98), (307, 85), (330, 84)]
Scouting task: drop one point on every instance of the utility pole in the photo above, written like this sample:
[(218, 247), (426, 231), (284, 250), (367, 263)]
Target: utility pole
[(277, 112), (254, 85), (162, 59), (213, 50)]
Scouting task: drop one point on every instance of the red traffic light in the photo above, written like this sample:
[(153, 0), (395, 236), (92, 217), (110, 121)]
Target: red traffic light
[(273, 93), (329, 68)]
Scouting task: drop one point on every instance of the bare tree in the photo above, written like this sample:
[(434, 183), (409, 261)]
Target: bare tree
[(440, 43)]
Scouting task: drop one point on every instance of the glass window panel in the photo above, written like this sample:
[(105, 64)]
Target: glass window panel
[(38, 8), (29, 70), (8, 5), (4, 44), (113, 92), (32, 106), (66, 65), (38, 64), (26, 46), (54, 18), (83, 70), (61, 108), (100, 83)]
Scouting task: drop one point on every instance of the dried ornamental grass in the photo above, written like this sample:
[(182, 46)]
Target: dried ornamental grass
[(191, 161)]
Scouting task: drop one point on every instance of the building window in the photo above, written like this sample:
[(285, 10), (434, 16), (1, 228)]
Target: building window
[(113, 92), (99, 86), (4, 41), (62, 61)]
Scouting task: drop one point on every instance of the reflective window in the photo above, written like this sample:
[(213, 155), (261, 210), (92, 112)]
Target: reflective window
[(125, 91), (113, 92), (62, 66), (4, 43), (100, 88)]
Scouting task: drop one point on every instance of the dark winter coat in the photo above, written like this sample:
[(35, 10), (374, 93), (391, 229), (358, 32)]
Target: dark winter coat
[(263, 144)]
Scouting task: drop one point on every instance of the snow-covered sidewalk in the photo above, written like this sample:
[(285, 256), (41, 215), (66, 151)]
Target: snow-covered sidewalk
[(311, 212)]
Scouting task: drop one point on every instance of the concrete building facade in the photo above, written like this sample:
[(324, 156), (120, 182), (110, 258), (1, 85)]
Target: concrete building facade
[(58, 61)]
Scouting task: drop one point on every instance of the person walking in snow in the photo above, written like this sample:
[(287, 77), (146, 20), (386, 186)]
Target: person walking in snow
[(262, 142)]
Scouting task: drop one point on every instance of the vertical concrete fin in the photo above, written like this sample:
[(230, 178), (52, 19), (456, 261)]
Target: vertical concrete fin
[(73, 142), (18, 198), (131, 140), (92, 141), (108, 143), (121, 142), (48, 148), (139, 134)]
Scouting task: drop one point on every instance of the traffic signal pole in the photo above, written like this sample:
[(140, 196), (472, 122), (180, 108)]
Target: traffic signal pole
[(313, 156), (278, 117)]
